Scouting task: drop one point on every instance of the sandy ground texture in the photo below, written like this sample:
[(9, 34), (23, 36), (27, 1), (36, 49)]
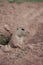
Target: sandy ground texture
[(30, 17)]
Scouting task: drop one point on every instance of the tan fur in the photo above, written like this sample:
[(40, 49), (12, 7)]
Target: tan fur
[(20, 37)]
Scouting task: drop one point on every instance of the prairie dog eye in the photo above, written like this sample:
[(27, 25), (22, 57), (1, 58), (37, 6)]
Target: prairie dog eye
[(22, 29)]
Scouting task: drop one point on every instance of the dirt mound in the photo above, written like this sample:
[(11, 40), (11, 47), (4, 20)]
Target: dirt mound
[(30, 17)]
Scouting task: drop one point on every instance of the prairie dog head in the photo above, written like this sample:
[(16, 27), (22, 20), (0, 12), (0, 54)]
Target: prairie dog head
[(21, 32)]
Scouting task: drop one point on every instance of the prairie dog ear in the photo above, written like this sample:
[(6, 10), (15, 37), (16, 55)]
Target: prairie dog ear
[(17, 28)]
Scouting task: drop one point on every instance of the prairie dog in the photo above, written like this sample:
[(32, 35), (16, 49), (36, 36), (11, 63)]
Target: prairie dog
[(18, 38)]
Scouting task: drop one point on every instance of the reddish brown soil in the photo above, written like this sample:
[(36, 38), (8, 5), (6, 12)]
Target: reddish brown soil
[(29, 16)]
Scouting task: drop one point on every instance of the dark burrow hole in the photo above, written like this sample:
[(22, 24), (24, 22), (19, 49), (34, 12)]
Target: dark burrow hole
[(5, 40)]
